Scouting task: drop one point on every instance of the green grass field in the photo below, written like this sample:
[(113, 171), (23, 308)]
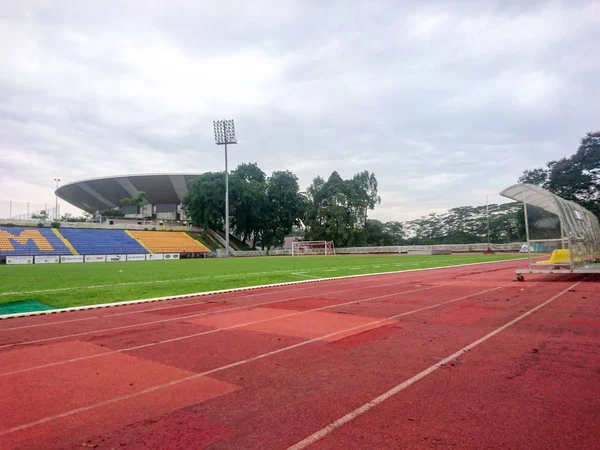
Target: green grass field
[(64, 285)]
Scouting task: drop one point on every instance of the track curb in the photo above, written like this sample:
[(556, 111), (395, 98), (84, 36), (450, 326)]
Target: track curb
[(225, 291)]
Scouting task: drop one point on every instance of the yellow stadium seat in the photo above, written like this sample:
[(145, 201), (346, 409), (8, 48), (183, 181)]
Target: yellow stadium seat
[(558, 257), (168, 242)]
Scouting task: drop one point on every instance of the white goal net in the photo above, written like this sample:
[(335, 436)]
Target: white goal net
[(313, 248)]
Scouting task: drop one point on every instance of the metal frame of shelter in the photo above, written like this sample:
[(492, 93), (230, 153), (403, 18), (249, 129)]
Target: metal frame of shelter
[(579, 229)]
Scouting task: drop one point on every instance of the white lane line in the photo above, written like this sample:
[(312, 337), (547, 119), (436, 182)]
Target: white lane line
[(245, 288), (232, 327), (135, 283), (215, 299), (177, 280), (228, 366), (301, 274), (383, 397), (173, 319)]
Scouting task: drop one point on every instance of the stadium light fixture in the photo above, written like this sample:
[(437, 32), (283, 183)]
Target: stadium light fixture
[(56, 204), (225, 134)]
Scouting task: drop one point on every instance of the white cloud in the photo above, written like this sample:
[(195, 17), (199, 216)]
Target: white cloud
[(443, 102)]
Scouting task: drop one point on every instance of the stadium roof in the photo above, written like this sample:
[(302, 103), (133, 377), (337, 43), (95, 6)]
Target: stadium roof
[(101, 193)]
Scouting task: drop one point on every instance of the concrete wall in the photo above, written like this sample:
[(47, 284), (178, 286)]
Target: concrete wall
[(457, 248)]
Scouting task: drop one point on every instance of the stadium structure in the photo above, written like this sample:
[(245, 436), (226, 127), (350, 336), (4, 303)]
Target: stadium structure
[(164, 194)]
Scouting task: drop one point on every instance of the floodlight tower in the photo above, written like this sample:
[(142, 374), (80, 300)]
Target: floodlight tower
[(225, 134)]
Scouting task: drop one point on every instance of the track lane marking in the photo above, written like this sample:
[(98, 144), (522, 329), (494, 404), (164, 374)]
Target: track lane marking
[(246, 288), (202, 333), (173, 319), (234, 275), (400, 387), (229, 366), (216, 299)]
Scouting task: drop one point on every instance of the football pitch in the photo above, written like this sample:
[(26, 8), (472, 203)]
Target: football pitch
[(65, 285)]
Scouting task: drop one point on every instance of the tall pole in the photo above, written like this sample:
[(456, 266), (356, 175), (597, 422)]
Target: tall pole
[(225, 134), (526, 229), (487, 212), (56, 204), (226, 203)]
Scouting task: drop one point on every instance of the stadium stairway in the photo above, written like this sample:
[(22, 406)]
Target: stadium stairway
[(168, 242), (102, 242), (17, 241)]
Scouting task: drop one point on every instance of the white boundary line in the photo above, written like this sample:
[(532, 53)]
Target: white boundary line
[(211, 277), (202, 333), (302, 274), (228, 366), (222, 300), (200, 314), (400, 387), (245, 288)]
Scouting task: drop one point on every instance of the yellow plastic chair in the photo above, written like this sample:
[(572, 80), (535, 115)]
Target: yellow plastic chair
[(558, 257)]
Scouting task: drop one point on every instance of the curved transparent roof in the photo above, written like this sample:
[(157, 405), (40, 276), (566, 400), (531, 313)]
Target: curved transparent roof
[(577, 222)]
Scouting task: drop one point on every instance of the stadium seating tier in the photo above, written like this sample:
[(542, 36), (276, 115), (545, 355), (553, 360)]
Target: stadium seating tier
[(17, 241)]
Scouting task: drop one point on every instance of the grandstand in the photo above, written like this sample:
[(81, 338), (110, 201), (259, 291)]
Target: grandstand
[(164, 242), (21, 241), (101, 242)]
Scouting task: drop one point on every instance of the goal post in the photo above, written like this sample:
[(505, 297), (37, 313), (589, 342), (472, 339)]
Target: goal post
[(324, 248)]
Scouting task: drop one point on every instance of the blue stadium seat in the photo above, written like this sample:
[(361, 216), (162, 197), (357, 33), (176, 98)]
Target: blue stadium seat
[(101, 242), (18, 241)]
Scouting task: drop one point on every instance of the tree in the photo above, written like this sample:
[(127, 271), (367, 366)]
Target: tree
[(260, 208), (575, 178), (69, 218), (138, 201), (42, 215), (284, 208), (248, 193), (393, 233), (109, 212), (337, 208), (205, 202), (468, 224), (538, 176)]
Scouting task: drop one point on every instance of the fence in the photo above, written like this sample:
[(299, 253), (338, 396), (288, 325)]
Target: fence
[(457, 248), (11, 210)]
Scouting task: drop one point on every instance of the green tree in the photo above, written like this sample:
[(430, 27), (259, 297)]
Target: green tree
[(394, 233), (575, 178), (248, 190), (42, 215), (284, 208), (468, 224), (110, 212), (138, 201), (69, 218), (204, 204), (337, 208)]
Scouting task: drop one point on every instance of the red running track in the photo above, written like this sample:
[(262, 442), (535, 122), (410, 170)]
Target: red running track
[(459, 357)]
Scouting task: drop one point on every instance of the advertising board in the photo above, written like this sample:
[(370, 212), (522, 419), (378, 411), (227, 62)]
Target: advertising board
[(94, 258), (69, 259), (47, 259), (19, 260), (116, 258), (140, 257)]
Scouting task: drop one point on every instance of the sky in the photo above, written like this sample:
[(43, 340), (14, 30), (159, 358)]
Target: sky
[(446, 102)]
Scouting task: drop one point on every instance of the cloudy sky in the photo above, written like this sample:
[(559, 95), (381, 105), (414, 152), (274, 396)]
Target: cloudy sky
[(445, 101)]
